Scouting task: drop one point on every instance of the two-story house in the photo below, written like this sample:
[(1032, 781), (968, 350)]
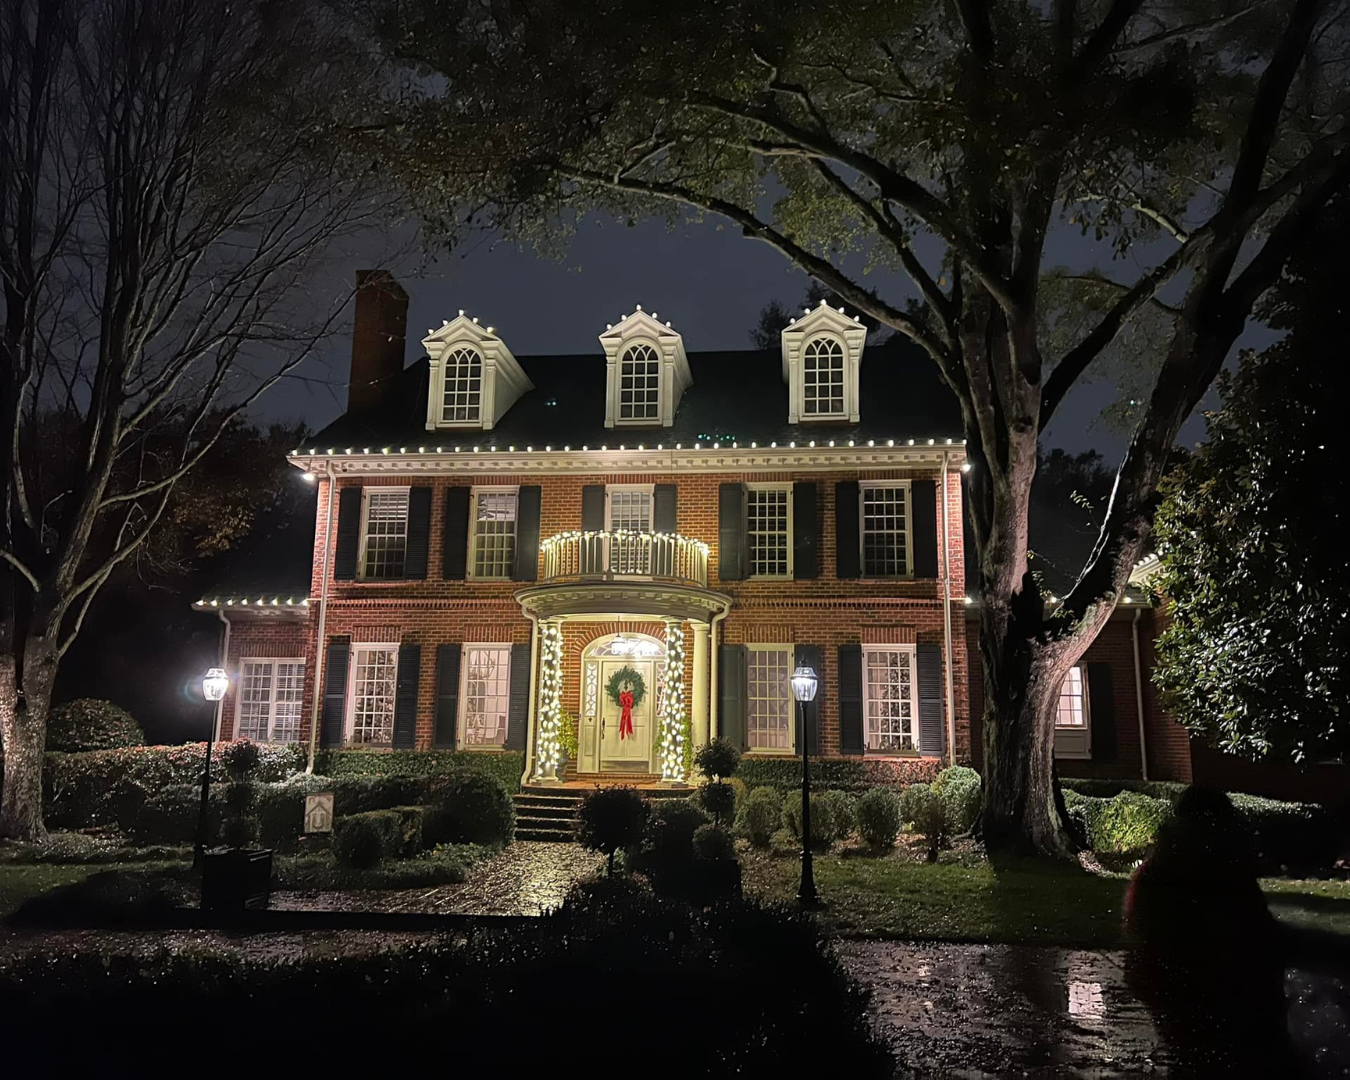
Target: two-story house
[(646, 539)]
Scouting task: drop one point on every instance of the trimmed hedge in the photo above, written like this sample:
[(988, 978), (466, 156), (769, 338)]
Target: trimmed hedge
[(506, 766), (879, 818), (855, 775), (91, 724), (361, 841), (1125, 823), (959, 789), (1167, 790)]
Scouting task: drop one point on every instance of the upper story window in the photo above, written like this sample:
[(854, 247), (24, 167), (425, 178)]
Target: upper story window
[(822, 358), (768, 518), (885, 529), (492, 551), (384, 533), (630, 509), (646, 371), (472, 376), (462, 401), (823, 378), (639, 385)]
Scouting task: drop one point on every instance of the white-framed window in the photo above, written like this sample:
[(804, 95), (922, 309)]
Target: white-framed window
[(629, 508), (268, 706), (462, 396), (823, 378), (769, 701), (384, 533), (370, 698), (639, 385), (484, 695), (884, 528), (492, 544), (890, 700), (1073, 718), (769, 529)]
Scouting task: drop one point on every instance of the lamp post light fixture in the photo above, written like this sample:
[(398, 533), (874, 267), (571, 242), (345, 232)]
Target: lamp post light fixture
[(804, 686), (214, 688)]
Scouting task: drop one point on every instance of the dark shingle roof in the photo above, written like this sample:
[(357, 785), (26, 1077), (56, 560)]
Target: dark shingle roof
[(737, 395)]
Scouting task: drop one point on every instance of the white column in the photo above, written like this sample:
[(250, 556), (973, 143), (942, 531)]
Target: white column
[(549, 702), (699, 692), (673, 718)]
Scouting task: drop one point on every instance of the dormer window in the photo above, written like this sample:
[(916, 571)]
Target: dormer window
[(822, 355), (462, 402), (473, 378), (646, 371)]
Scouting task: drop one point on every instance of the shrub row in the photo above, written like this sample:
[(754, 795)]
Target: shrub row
[(855, 775), (506, 767), (1167, 790)]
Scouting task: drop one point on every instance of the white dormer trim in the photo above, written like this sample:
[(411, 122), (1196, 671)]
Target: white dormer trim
[(633, 331), (832, 324), (503, 379)]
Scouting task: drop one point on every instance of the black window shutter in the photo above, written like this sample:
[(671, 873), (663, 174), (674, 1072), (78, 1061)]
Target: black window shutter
[(527, 533), (335, 666), (847, 546), (932, 722), (447, 696), (518, 705), (455, 536), (663, 508), (593, 508), (1101, 712), (348, 534), (419, 533), (731, 693), (731, 546), (805, 530), (811, 656), (850, 700), (923, 528), (405, 696)]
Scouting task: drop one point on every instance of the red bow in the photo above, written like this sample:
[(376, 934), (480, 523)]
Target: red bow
[(626, 716)]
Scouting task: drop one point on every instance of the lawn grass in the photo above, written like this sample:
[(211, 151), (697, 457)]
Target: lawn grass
[(20, 882)]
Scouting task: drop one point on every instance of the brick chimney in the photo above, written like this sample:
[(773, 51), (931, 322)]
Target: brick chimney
[(377, 338)]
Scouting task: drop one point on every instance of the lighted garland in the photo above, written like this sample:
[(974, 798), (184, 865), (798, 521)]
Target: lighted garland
[(547, 751), (674, 723), (626, 678)]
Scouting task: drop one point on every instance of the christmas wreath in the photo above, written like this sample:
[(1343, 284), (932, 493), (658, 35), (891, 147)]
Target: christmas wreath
[(629, 678)]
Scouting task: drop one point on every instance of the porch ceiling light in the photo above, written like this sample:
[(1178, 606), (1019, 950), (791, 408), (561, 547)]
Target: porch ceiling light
[(215, 684), (804, 683)]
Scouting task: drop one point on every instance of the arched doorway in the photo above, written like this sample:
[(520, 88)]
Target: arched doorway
[(627, 660)]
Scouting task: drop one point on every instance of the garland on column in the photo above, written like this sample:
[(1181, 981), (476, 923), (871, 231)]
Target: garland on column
[(547, 746), (672, 716)]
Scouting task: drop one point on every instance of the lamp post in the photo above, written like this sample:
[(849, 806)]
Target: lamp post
[(214, 687), (804, 684)]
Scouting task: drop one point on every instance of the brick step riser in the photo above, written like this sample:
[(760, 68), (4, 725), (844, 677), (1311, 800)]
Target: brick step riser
[(545, 838), (551, 813)]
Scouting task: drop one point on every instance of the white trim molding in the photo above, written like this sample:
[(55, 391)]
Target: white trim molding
[(833, 325), (674, 379), (504, 381)]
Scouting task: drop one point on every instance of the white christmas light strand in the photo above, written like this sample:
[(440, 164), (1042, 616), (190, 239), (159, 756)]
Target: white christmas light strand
[(548, 749), (672, 717)]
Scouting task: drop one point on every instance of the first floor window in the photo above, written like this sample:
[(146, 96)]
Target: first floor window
[(269, 700), (372, 711), (885, 530), (1072, 700), (494, 533), (889, 699), (768, 520), (385, 533), (486, 694), (769, 699)]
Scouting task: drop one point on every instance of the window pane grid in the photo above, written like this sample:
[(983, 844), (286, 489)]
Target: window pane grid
[(1072, 709), (888, 693), (373, 697), (640, 384), (767, 518), (630, 511), (769, 702), (823, 378), (255, 701), (463, 387), (269, 700), (487, 695), (494, 534), (885, 551), (386, 534), (290, 682)]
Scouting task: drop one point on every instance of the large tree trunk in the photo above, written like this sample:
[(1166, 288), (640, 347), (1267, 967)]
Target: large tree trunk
[(25, 698)]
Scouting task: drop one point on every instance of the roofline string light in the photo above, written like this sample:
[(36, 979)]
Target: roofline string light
[(731, 444)]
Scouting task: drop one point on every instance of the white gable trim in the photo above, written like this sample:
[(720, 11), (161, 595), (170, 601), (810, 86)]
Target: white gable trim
[(640, 328), (828, 322), (503, 379)]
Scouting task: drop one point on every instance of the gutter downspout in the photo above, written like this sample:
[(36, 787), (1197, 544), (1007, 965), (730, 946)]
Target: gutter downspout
[(1139, 693), (947, 616), (712, 670), (532, 713), (323, 618), (224, 662)]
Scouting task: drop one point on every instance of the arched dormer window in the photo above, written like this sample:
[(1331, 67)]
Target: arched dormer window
[(462, 399), (823, 378), (646, 371), (472, 376), (639, 385), (822, 355)]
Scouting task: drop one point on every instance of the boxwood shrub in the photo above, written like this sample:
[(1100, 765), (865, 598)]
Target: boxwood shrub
[(855, 775), (506, 767), (879, 818), (91, 724), (363, 840), (761, 816)]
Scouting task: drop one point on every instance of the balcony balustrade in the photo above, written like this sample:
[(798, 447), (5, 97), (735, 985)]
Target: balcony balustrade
[(620, 555)]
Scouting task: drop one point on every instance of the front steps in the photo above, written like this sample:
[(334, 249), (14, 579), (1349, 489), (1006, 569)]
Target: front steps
[(549, 813)]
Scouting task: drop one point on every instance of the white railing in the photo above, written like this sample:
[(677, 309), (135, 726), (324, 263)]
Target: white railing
[(618, 554)]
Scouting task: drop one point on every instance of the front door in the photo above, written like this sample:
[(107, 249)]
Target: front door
[(620, 752)]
